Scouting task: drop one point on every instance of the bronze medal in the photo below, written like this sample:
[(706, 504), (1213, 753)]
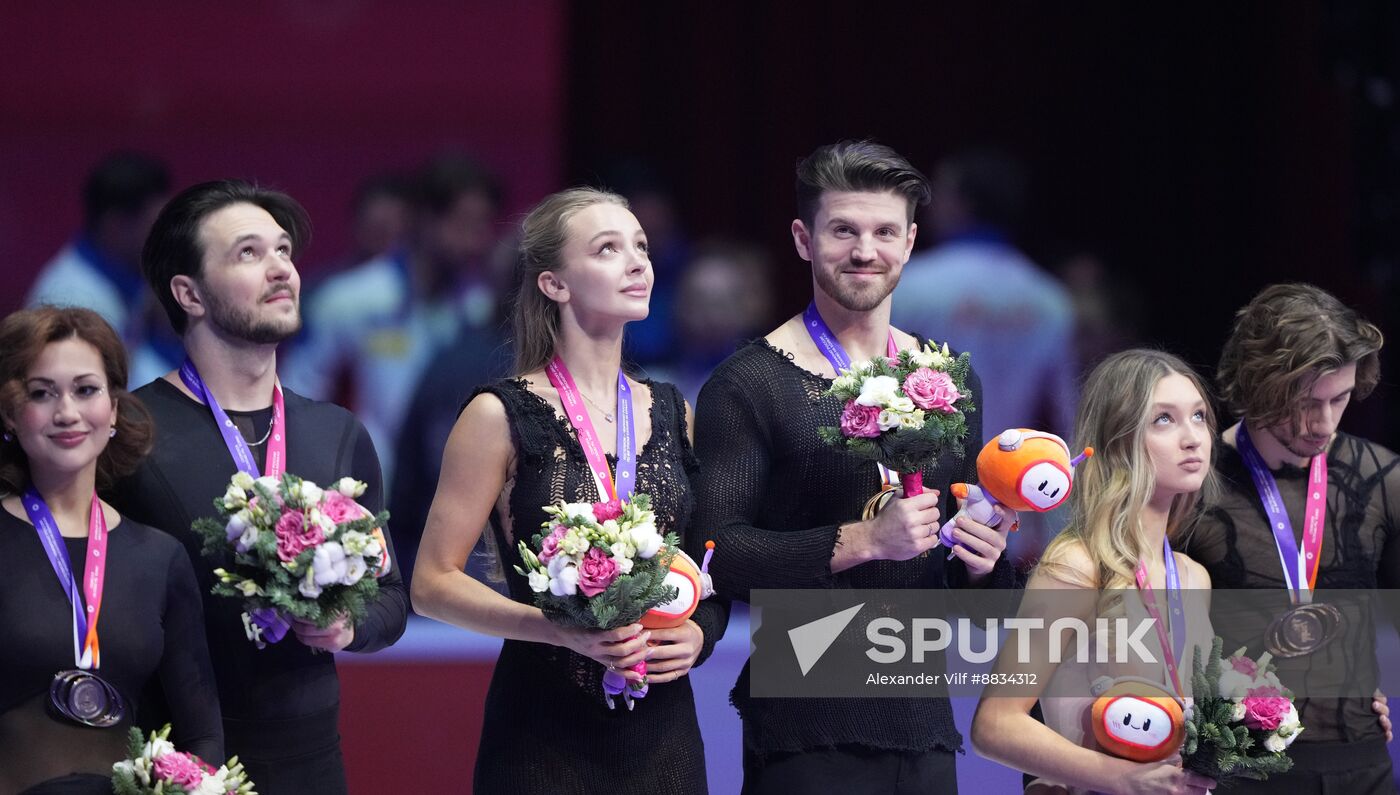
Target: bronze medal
[(876, 502), (86, 698), (1303, 630)]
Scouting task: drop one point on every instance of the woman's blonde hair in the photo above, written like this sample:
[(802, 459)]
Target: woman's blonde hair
[(1112, 488), (534, 317)]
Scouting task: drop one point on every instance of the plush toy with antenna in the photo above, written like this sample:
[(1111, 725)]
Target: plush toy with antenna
[(1023, 469)]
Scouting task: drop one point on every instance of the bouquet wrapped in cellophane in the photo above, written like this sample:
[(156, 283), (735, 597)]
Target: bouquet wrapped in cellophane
[(299, 552)]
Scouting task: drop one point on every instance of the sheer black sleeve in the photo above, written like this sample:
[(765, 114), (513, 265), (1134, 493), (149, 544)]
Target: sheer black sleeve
[(388, 614), (185, 672), (711, 615), (734, 448)]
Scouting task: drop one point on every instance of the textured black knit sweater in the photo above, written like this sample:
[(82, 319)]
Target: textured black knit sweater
[(773, 496), (551, 697)]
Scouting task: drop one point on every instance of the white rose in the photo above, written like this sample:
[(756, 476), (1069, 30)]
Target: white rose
[(624, 565), (913, 420), (579, 511), (566, 583), (349, 487), (539, 581), (623, 549), (878, 390), (243, 480), (355, 542), (888, 419), (1274, 743), (649, 549), (311, 493), (354, 570), (157, 748), (1234, 684), (903, 405)]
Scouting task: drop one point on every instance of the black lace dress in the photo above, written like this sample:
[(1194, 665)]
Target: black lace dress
[(547, 727)]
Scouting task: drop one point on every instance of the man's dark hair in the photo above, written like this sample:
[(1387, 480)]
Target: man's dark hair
[(173, 247), (123, 182), (991, 183), (448, 177), (856, 166)]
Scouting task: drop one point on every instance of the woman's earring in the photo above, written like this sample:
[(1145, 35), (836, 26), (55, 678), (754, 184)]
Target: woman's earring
[(9, 437), (112, 432)]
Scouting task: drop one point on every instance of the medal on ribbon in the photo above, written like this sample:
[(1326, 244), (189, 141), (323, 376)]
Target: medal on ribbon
[(1306, 626)]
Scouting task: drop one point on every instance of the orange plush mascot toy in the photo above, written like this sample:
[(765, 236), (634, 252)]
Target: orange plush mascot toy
[(692, 583), (1024, 470), (1137, 719)]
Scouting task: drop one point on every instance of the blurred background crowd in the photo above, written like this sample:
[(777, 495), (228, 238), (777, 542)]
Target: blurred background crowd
[(1109, 176)]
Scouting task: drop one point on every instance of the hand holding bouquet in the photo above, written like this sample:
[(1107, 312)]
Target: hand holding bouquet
[(903, 412), (600, 566), (298, 552), (154, 767), (1242, 720)]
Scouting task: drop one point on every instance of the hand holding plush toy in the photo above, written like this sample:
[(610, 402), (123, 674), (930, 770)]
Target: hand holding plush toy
[(1024, 470)]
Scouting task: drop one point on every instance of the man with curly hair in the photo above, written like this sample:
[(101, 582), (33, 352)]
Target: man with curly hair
[(1294, 361)]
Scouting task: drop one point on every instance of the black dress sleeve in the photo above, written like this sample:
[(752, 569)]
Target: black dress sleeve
[(388, 614), (732, 444), (186, 673)]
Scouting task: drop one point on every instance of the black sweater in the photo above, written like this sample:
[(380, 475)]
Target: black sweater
[(150, 627), (286, 684), (773, 496)]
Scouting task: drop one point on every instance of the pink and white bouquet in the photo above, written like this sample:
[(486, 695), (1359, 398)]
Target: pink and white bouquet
[(299, 551), (903, 412), (599, 565), (154, 767), (1242, 719)]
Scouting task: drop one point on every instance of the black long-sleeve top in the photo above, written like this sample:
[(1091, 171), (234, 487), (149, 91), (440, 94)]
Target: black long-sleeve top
[(1360, 549), (285, 684), (774, 496), (150, 627)]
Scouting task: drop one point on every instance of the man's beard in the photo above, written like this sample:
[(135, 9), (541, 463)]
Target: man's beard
[(850, 297), (241, 324), (1292, 441)]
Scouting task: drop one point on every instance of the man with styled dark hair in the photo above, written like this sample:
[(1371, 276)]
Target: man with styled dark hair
[(784, 509), (220, 256), (1295, 359), (100, 268)]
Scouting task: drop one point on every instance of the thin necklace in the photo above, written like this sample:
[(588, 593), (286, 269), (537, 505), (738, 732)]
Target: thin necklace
[(269, 433), (607, 415)]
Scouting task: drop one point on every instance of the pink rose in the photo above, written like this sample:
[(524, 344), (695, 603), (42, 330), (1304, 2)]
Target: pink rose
[(1264, 712), (295, 535), (596, 572), (179, 768), (1245, 666), (603, 511), (549, 547), (339, 508), (931, 390), (860, 421)]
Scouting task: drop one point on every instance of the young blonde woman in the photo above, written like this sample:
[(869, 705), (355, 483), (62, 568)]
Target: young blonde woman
[(584, 274), (1147, 416)]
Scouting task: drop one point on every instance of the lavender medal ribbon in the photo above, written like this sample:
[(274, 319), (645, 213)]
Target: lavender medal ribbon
[(233, 440), (47, 528), (1298, 582)]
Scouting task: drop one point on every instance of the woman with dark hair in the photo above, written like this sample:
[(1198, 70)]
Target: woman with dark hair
[(93, 605), (583, 275)]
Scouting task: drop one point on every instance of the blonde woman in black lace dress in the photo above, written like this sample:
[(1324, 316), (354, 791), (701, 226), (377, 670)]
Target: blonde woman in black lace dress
[(583, 275)]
